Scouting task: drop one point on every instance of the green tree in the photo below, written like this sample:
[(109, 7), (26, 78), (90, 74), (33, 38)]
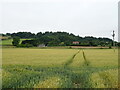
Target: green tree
[(16, 41)]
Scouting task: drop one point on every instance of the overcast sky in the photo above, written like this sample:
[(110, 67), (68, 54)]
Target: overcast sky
[(81, 17)]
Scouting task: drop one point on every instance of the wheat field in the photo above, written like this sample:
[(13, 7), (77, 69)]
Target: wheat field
[(59, 68)]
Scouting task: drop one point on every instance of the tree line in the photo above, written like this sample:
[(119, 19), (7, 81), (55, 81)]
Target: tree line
[(57, 39)]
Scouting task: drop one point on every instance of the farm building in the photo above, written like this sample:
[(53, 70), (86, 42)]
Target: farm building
[(76, 42), (41, 45)]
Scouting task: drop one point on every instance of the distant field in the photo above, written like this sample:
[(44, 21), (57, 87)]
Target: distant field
[(60, 68), (6, 42), (3, 37), (9, 41)]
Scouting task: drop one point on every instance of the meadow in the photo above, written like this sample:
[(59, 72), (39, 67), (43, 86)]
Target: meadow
[(59, 68), (8, 42)]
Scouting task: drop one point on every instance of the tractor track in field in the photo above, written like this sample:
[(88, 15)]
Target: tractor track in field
[(82, 79), (71, 59), (86, 62)]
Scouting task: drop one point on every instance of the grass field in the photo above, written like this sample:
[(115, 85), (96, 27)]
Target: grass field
[(9, 41), (6, 42), (59, 68)]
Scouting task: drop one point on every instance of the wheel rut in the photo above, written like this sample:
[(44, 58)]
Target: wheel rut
[(71, 59)]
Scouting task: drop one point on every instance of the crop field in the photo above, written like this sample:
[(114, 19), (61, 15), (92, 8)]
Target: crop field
[(59, 68)]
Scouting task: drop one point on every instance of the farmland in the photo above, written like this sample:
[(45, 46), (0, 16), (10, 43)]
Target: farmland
[(59, 68), (9, 41)]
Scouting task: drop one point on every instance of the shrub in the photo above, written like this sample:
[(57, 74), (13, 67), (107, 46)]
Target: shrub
[(110, 47), (25, 45), (16, 41), (30, 42)]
